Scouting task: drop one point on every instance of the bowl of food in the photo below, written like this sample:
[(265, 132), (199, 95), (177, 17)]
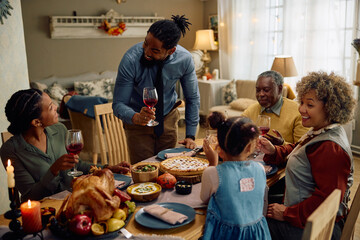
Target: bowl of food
[(183, 187), (144, 172), (144, 192)]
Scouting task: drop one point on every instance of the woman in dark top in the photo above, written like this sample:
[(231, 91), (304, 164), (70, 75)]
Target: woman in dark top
[(37, 149)]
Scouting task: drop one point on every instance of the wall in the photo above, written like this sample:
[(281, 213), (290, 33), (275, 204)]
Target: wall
[(67, 57), (13, 76)]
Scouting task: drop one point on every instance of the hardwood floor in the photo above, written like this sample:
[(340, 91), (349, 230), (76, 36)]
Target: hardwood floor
[(201, 134)]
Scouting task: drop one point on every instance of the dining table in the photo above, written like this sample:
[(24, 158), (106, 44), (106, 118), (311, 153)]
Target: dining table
[(192, 230)]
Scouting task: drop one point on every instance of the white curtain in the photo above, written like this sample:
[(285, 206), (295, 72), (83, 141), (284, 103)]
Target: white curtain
[(316, 33)]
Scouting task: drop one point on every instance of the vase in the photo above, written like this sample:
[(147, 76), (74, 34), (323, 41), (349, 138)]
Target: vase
[(357, 76)]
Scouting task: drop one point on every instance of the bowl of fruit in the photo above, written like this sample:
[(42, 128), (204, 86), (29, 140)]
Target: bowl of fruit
[(144, 172)]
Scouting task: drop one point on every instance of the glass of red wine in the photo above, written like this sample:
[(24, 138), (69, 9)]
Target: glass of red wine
[(263, 123), (74, 144), (150, 99)]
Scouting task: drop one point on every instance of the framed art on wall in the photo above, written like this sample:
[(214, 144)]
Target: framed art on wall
[(213, 24)]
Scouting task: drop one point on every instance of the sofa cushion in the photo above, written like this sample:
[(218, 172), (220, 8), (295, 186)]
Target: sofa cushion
[(246, 89), (241, 104), (101, 88), (229, 92), (56, 92)]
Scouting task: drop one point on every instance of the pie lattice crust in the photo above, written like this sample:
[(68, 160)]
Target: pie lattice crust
[(184, 166)]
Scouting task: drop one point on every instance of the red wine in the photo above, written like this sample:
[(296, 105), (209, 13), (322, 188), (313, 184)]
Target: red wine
[(74, 148), (150, 102), (264, 130)]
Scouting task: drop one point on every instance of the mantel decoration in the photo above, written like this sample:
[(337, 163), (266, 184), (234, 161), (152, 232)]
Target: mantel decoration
[(356, 44), (114, 24), (4, 9), (114, 31)]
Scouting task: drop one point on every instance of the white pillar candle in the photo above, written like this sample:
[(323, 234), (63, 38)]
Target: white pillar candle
[(10, 175)]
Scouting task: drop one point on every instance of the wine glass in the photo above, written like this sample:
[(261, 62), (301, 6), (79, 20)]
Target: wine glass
[(150, 99), (211, 136), (74, 144), (263, 123)]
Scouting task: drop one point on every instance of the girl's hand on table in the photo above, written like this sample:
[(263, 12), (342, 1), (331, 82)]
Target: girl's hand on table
[(211, 155), (265, 146), (65, 162), (276, 211)]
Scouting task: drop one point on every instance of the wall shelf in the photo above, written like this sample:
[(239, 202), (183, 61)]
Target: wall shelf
[(70, 27)]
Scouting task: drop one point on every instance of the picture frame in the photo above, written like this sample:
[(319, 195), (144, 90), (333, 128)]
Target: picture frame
[(213, 24)]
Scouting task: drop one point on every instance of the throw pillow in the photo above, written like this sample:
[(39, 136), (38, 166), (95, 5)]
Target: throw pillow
[(38, 85), (229, 92), (56, 92), (241, 104), (84, 104), (100, 88)]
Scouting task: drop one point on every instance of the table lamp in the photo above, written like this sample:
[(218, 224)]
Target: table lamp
[(205, 41), (285, 66)]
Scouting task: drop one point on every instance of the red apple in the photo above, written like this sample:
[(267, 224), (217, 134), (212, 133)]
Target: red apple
[(80, 225)]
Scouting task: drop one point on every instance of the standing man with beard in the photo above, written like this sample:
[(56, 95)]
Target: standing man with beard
[(157, 62)]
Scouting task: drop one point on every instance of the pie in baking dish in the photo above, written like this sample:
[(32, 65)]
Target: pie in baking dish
[(184, 166)]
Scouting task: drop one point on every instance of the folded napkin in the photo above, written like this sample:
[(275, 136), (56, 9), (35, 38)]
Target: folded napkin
[(165, 214), (188, 154)]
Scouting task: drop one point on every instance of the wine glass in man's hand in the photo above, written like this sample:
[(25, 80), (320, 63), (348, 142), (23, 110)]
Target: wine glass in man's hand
[(74, 144), (150, 99)]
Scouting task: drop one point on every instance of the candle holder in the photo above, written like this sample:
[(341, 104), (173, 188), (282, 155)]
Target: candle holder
[(15, 225)]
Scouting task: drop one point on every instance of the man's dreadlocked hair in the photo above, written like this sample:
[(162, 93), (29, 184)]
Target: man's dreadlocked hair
[(169, 32)]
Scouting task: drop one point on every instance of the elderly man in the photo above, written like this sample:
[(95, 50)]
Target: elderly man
[(284, 114)]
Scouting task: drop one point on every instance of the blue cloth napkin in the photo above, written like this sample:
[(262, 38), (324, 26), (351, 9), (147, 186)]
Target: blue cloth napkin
[(85, 104)]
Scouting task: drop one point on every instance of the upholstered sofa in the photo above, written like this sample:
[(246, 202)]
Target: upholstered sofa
[(89, 84), (240, 94)]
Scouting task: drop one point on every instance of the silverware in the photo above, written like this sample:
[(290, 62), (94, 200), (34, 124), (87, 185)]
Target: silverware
[(200, 213), (126, 233), (197, 149)]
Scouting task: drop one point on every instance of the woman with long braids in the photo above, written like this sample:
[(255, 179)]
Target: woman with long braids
[(157, 62), (37, 149)]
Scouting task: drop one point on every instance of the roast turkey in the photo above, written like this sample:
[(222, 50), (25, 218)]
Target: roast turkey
[(94, 192)]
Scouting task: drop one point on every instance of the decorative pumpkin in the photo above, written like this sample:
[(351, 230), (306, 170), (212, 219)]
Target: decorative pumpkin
[(166, 181)]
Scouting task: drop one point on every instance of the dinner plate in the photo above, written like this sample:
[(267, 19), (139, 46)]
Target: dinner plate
[(273, 170), (161, 154), (126, 179), (149, 221)]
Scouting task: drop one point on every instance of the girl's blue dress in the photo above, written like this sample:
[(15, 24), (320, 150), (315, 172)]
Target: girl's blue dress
[(235, 211)]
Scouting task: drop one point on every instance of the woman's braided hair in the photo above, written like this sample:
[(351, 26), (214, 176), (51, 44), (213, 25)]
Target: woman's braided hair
[(233, 133), (169, 32), (23, 107)]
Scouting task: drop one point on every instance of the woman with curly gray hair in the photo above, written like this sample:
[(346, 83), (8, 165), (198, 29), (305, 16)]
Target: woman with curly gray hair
[(320, 162)]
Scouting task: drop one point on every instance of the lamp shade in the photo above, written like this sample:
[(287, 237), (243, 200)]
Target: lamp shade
[(285, 66), (205, 40)]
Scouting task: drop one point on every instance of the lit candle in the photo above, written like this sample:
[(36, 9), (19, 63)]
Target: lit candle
[(10, 175), (31, 217)]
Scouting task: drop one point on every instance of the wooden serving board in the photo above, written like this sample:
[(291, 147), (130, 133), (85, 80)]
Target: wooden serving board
[(192, 179)]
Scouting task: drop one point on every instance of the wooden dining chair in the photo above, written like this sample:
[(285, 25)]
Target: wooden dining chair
[(5, 136), (320, 223), (111, 135), (88, 128), (349, 226)]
